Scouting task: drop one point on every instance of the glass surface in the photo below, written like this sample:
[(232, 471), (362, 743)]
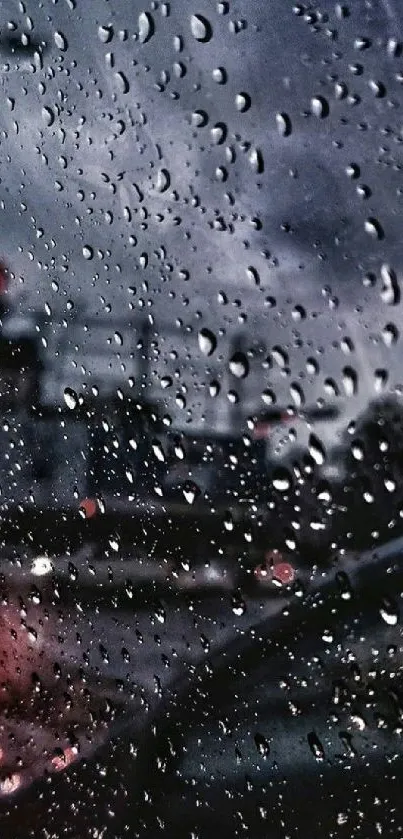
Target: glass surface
[(201, 434)]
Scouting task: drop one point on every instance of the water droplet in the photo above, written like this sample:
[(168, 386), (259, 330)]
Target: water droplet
[(350, 381), (389, 612), (316, 746), (214, 389), (319, 107), (207, 341), (105, 34), (123, 82), (316, 450), (242, 102), (61, 41), (146, 27), (239, 365), (200, 28), (390, 334), (390, 292), (70, 398), (158, 451), (374, 228), (88, 252), (297, 394), (253, 275), (256, 161), (163, 180), (282, 479), (218, 133), (238, 605), (284, 125), (48, 116), (262, 745)]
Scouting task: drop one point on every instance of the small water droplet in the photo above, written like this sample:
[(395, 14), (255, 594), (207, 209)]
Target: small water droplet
[(88, 252), (316, 450), (262, 745), (201, 28), (256, 161)]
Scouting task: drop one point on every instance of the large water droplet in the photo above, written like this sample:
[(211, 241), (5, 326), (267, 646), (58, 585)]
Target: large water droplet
[(61, 41), (70, 398), (146, 27), (122, 81), (218, 133), (282, 479), (48, 116), (200, 28), (239, 365), (390, 292), (105, 34), (284, 125), (88, 252), (374, 228), (316, 450), (207, 341), (350, 381), (163, 180), (319, 107), (242, 102)]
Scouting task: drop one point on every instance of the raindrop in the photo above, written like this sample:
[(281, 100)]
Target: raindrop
[(374, 228), (105, 34), (316, 746), (200, 28), (316, 450), (48, 116), (238, 605), (319, 107), (199, 119), (253, 275), (239, 365), (256, 161), (214, 389), (60, 41), (390, 334), (350, 381), (163, 180), (381, 377), (262, 745), (88, 252), (390, 292), (242, 102), (297, 394), (70, 398), (389, 612), (207, 341), (218, 133), (146, 27), (282, 479), (122, 81), (284, 126)]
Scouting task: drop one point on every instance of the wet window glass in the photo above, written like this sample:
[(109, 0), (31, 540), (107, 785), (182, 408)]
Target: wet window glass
[(201, 419)]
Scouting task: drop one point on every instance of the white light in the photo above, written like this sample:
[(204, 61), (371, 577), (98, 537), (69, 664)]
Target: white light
[(41, 565)]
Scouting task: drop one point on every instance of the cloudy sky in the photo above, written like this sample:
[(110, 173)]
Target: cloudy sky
[(234, 166)]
